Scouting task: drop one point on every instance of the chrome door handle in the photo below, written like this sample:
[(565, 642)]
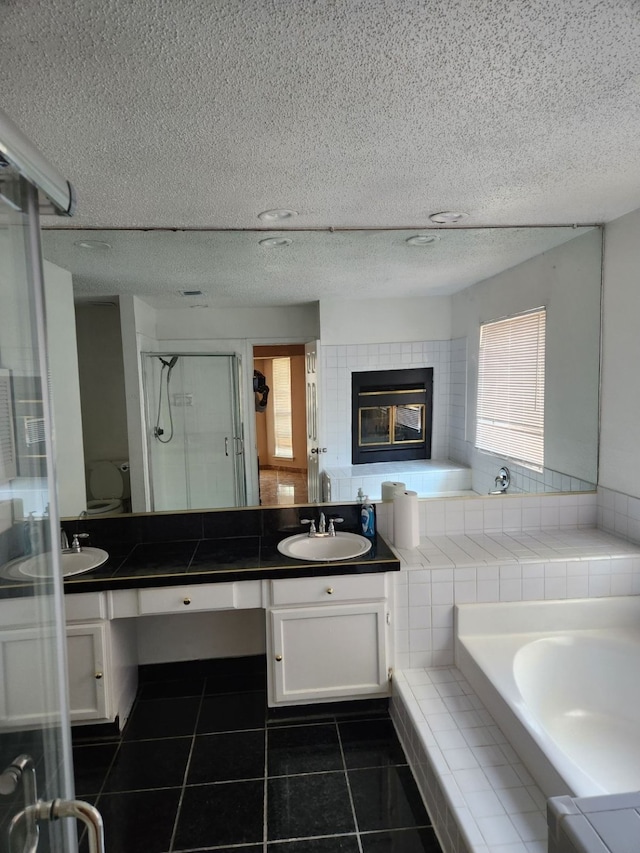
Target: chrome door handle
[(35, 810), (226, 445), (239, 443), (55, 809)]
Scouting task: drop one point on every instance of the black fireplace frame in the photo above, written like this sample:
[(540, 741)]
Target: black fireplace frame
[(391, 381)]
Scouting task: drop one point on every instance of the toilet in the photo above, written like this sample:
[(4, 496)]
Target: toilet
[(108, 487)]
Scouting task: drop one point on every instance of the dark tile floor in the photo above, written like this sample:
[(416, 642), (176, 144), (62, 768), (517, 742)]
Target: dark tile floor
[(202, 764)]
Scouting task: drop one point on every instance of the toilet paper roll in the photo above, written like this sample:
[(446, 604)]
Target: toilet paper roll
[(389, 490), (406, 522)]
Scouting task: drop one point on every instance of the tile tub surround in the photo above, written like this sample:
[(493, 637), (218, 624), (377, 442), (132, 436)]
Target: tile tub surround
[(212, 768), (518, 566), (480, 796), (426, 477)]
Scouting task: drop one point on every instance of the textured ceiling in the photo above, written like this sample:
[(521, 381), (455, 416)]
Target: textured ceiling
[(202, 113), (235, 270)]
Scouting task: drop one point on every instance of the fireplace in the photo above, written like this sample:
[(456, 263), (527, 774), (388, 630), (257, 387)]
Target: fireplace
[(391, 415)]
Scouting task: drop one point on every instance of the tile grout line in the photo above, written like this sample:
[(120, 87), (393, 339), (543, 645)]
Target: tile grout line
[(265, 804), (183, 787), (346, 776)]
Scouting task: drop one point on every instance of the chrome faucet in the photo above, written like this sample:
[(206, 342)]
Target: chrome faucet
[(75, 545), (502, 482), (64, 541), (323, 529)]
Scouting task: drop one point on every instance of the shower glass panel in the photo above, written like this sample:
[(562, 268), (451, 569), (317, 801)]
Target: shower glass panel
[(194, 431), (34, 716)]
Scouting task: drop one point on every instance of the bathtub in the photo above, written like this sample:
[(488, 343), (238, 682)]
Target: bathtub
[(562, 679)]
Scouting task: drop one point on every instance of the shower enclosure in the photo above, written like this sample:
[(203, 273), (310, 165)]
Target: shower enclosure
[(194, 431)]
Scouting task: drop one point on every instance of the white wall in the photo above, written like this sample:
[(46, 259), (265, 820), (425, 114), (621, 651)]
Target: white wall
[(566, 280), (65, 389), (620, 415), (104, 415), (271, 324), (137, 326), (382, 321)]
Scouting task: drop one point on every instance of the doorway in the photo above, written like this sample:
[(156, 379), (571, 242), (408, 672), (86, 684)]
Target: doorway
[(281, 423)]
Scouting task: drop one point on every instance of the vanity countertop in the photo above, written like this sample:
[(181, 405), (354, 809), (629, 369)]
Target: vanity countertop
[(194, 561)]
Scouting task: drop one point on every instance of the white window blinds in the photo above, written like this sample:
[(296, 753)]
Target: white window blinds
[(282, 427), (510, 415)]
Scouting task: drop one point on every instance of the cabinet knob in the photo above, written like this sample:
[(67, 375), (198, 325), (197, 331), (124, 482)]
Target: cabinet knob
[(98, 675), (329, 590), (278, 657), (186, 601)]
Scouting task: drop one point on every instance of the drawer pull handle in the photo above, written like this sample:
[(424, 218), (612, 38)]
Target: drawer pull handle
[(329, 590), (98, 675), (278, 657), (186, 601)]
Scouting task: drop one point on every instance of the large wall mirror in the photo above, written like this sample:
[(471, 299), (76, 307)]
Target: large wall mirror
[(157, 311)]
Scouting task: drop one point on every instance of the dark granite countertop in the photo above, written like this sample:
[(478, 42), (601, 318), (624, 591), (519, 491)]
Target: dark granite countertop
[(156, 564), (159, 550)]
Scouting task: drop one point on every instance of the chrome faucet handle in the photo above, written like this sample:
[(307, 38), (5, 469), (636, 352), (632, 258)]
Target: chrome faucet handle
[(75, 545), (311, 523), (335, 519)]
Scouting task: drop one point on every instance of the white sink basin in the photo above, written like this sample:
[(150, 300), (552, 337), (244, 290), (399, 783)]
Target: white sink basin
[(73, 563), (342, 546)]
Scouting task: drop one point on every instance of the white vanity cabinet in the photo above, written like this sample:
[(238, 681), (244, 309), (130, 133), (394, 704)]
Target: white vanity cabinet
[(328, 638), (101, 660)]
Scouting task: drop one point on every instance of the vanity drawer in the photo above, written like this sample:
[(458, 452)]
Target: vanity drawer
[(87, 605), (326, 589), (182, 599)]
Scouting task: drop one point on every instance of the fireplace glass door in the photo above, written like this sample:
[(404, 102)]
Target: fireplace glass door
[(392, 415)]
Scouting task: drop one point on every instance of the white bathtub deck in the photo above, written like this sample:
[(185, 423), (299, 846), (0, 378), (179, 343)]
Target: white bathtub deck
[(480, 796)]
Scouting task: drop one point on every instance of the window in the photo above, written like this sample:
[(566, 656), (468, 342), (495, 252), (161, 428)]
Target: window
[(282, 428), (510, 415)]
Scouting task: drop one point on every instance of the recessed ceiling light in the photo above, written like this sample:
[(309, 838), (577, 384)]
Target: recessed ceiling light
[(447, 217), (276, 242), (99, 245), (279, 214), (422, 239)]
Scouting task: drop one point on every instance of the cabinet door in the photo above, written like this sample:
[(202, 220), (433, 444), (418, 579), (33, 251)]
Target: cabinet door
[(89, 675), (328, 652), (23, 671)]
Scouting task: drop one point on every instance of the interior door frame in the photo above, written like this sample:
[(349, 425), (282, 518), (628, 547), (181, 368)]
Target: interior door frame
[(251, 460)]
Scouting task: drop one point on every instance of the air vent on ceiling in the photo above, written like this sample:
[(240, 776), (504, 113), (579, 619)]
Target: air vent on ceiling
[(191, 293)]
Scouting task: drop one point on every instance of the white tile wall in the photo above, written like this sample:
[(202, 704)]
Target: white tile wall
[(619, 513), (458, 446), (339, 362), (458, 563)]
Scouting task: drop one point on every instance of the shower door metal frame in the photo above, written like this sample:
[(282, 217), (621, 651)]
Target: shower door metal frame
[(237, 444)]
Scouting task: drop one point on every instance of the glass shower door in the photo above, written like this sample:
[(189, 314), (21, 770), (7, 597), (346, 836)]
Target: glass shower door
[(35, 751), (194, 431)]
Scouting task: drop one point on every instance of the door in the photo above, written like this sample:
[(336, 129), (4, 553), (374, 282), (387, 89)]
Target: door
[(35, 736), (314, 450), (194, 431)]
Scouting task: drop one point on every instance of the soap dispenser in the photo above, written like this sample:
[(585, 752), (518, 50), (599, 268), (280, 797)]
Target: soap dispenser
[(368, 519)]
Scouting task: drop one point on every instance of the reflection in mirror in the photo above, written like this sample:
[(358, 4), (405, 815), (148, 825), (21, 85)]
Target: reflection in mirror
[(375, 302)]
